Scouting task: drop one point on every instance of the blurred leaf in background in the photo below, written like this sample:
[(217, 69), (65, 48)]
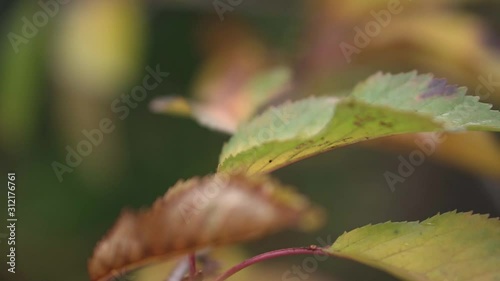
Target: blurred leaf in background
[(65, 79), (20, 80), (97, 49)]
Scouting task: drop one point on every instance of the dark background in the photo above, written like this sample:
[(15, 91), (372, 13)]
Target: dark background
[(60, 222)]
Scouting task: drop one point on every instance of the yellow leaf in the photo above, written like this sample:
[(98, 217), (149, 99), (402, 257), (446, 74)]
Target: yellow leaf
[(452, 246)]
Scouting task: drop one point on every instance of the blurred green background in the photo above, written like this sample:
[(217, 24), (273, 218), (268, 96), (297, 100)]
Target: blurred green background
[(63, 75)]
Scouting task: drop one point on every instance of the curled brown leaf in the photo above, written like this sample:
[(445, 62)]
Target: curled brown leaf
[(200, 213)]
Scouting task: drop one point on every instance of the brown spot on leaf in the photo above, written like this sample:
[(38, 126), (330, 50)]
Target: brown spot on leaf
[(304, 144), (386, 124), (362, 120)]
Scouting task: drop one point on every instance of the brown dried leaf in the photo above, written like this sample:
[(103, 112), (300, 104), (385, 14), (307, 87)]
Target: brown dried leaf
[(200, 213)]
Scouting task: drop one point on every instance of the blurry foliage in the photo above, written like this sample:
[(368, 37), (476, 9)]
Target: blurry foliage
[(42, 109), (234, 205)]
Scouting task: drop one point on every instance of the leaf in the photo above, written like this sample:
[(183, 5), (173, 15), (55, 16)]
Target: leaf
[(236, 80), (85, 56), (225, 111), (200, 213), (451, 39), (20, 101), (454, 37), (451, 246), (453, 149), (383, 105)]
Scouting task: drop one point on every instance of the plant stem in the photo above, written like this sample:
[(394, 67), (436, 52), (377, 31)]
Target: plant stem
[(192, 266), (270, 255)]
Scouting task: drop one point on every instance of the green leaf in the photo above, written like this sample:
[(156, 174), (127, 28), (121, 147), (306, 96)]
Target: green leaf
[(383, 105), (451, 246)]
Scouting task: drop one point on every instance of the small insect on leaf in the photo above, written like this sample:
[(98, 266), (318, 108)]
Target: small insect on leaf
[(199, 213)]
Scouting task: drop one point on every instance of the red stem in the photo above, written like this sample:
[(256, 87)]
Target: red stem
[(270, 255), (192, 266)]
